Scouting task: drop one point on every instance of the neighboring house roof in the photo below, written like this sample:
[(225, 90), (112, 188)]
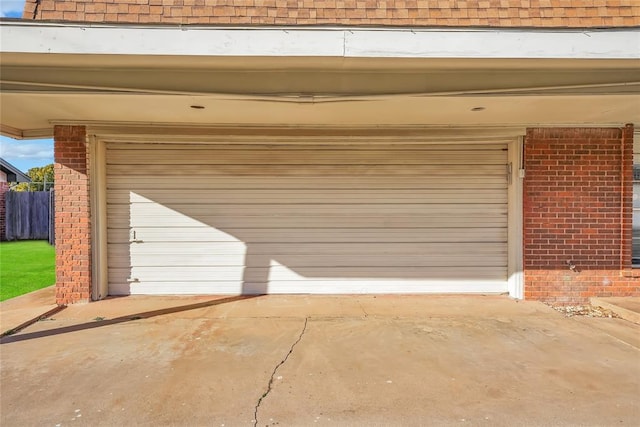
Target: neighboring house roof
[(13, 173), (420, 13)]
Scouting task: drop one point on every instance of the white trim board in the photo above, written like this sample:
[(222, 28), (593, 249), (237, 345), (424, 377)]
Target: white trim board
[(18, 37)]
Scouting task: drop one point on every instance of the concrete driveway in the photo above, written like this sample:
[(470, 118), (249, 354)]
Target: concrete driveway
[(314, 360)]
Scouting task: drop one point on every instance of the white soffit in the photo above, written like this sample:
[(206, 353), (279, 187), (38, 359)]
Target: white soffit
[(38, 111), (48, 38)]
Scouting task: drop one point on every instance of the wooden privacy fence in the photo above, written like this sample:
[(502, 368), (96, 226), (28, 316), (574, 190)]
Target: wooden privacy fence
[(30, 215)]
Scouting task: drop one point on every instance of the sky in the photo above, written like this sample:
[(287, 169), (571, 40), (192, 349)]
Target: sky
[(27, 153), (11, 8)]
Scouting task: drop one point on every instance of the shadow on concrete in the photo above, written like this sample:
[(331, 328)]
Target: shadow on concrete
[(107, 322)]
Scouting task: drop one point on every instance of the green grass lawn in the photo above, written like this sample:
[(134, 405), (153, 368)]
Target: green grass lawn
[(25, 266)]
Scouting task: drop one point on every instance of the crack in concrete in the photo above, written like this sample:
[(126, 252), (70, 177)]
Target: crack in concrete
[(363, 310), (273, 374)]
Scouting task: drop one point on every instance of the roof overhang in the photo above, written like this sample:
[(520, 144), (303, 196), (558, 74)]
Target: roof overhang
[(194, 75)]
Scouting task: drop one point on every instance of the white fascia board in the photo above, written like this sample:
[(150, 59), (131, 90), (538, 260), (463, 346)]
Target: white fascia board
[(170, 41), (525, 44), (47, 38)]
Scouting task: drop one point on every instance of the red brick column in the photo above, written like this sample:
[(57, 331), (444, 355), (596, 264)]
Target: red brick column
[(73, 220), (4, 187), (577, 214)]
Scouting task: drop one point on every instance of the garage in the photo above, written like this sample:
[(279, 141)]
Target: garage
[(307, 216)]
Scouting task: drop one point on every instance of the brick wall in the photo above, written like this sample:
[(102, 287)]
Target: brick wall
[(577, 212), (4, 187), (72, 220), (486, 13), (578, 209)]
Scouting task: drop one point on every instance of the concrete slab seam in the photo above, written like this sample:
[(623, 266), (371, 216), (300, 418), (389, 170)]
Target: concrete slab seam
[(275, 370), (615, 338)]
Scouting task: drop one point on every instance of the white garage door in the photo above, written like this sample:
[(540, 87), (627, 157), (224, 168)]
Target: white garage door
[(230, 219)]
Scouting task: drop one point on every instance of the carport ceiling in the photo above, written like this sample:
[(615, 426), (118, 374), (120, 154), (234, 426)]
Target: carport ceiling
[(39, 89)]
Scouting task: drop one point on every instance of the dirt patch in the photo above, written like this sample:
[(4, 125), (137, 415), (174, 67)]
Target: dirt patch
[(585, 310)]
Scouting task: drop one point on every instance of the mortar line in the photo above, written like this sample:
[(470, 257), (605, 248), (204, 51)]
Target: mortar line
[(275, 370)]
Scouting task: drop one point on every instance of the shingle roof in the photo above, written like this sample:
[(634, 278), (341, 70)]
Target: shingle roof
[(416, 13)]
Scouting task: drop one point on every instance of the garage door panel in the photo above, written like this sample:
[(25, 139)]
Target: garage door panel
[(222, 248), (383, 286), (125, 221), (319, 144), (318, 235), (460, 209), (318, 171), (259, 156), (144, 183), (120, 260), (307, 196), (314, 219), (279, 272), (314, 287), (283, 273), (308, 144)]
